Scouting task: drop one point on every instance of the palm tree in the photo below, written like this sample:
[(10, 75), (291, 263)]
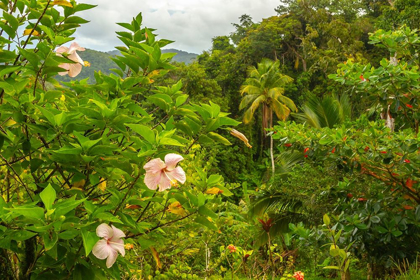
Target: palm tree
[(265, 86), (326, 112)]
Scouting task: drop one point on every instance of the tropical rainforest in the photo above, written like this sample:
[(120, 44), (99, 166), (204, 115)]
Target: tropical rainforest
[(289, 150)]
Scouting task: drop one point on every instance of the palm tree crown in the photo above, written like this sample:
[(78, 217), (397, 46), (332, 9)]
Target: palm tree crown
[(265, 85)]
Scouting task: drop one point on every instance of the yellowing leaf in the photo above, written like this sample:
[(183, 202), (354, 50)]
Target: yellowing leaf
[(153, 73), (214, 191), (26, 32), (10, 122), (156, 257), (176, 208), (190, 252), (62, 3), (102, 186), (79, 185)]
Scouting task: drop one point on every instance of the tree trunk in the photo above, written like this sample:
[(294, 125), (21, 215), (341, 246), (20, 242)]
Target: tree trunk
[(273, 169), (6, 270)]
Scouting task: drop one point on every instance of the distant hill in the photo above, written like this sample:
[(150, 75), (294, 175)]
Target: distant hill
[(101, 61), (181, 56)]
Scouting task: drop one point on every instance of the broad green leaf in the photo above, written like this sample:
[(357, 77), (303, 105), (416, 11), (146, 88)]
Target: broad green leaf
[(326, 220), (89, 240), (22, 235), (219, 138), (48, 196), (213, 180), (29, 212), (50, 239), (205, 222), (106, 216), (65, 206), (144, 131), (203, 210)]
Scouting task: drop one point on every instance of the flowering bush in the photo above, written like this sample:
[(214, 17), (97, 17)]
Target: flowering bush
[(72, 156)]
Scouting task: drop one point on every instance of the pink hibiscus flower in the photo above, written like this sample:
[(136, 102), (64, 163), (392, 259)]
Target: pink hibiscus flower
[(110, 245), (164, 174), (73, 69)]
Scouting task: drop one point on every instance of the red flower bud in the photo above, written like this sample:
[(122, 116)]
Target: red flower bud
[(349, 195), (288, 145), (407, 160), (409, 106)]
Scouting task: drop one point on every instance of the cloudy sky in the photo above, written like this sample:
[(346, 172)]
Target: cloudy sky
[(190, 23)]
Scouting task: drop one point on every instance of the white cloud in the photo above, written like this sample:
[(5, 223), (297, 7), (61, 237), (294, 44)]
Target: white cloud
[(190, 23)]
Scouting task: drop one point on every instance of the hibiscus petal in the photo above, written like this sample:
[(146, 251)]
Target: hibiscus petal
[(101, 250), (155, 165), (75, 70), (177, 174), (152, 180), (117, 233), (75, 47), (165, 182), (111, 258), (171, 160), (61, 50), (76, 58), (105, 231), (65, 66), (118, 246)]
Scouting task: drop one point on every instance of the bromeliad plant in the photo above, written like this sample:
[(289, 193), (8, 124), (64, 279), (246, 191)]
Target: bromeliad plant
[(81, 162)]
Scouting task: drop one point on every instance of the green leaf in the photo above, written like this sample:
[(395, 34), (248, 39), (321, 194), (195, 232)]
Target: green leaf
[(65, 206), (29, 212), (203, 210), (106, 216), (76, 19), (326, 220), (22, 235), (170, 142), (181, 99), (68, 234), (205, 222), (83, 7), (226, 191), (49, 240), (89, 240), (214, 179), (69, 150), (144, 131), (332, 267), (85, 141), (375, 219), (48, 196), (219, 138), (205, 140)]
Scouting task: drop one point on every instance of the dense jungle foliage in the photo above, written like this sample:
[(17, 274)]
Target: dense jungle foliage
[(289, 150)]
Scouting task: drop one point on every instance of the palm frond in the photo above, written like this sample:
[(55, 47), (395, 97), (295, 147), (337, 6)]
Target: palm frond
[(246, 100), (249, 114), (281, 110), (286, 161)]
